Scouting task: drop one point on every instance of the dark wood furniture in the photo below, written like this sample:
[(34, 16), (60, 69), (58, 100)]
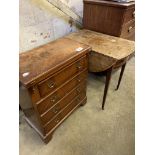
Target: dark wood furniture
[(52, 83), (109, 17), (108, 53)]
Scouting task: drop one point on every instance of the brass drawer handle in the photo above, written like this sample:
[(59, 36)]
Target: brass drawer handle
[(78, 66), (56, 110), (130, 28), (54, 99), (57, 121), (51, 85), (133, 14)]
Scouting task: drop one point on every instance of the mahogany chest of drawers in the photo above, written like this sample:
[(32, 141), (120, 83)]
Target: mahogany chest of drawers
[(109, 17), (52, 83)]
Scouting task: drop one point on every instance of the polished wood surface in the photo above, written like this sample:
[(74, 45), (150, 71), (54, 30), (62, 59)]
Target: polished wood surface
[(110, 18), (51, 124), (60, 77), (54, 97), (50, 112), (51, 98)]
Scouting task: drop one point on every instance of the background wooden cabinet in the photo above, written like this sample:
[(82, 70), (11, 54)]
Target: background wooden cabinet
[(112, 18)]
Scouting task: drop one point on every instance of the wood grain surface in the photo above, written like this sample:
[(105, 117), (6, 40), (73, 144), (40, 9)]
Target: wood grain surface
[(40, 61), (109, 17), (113, 47)]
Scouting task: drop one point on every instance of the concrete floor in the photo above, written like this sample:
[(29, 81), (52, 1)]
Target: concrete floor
[(89, 130)]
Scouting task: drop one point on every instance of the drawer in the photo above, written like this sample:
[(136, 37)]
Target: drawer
[(128, 30), (46, 117), (129, 15), (131, 37), (74, 104), (52, 99), (50, 84), (60, 116), (53, 123)]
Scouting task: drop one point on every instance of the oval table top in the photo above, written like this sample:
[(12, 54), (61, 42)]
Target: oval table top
[(106, 50)]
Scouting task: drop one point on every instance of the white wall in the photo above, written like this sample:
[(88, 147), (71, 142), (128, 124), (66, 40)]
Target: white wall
[(40, 22)]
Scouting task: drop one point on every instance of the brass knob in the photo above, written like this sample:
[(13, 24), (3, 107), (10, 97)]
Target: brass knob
[(79, 66), (130, 28), (51, 84)]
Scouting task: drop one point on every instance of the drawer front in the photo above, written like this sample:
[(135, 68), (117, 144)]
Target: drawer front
[(128, 30), (46, 117), (43, 106), (74, 104), (131, 37), (60, 116), (129, 15), (50, 84), (53, 123)]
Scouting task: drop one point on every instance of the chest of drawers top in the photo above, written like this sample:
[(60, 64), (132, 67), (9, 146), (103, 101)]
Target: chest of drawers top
[(39, 63), (111, 3)]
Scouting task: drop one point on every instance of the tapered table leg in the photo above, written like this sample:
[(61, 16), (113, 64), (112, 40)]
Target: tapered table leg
[(108, 77), (121, 75)]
